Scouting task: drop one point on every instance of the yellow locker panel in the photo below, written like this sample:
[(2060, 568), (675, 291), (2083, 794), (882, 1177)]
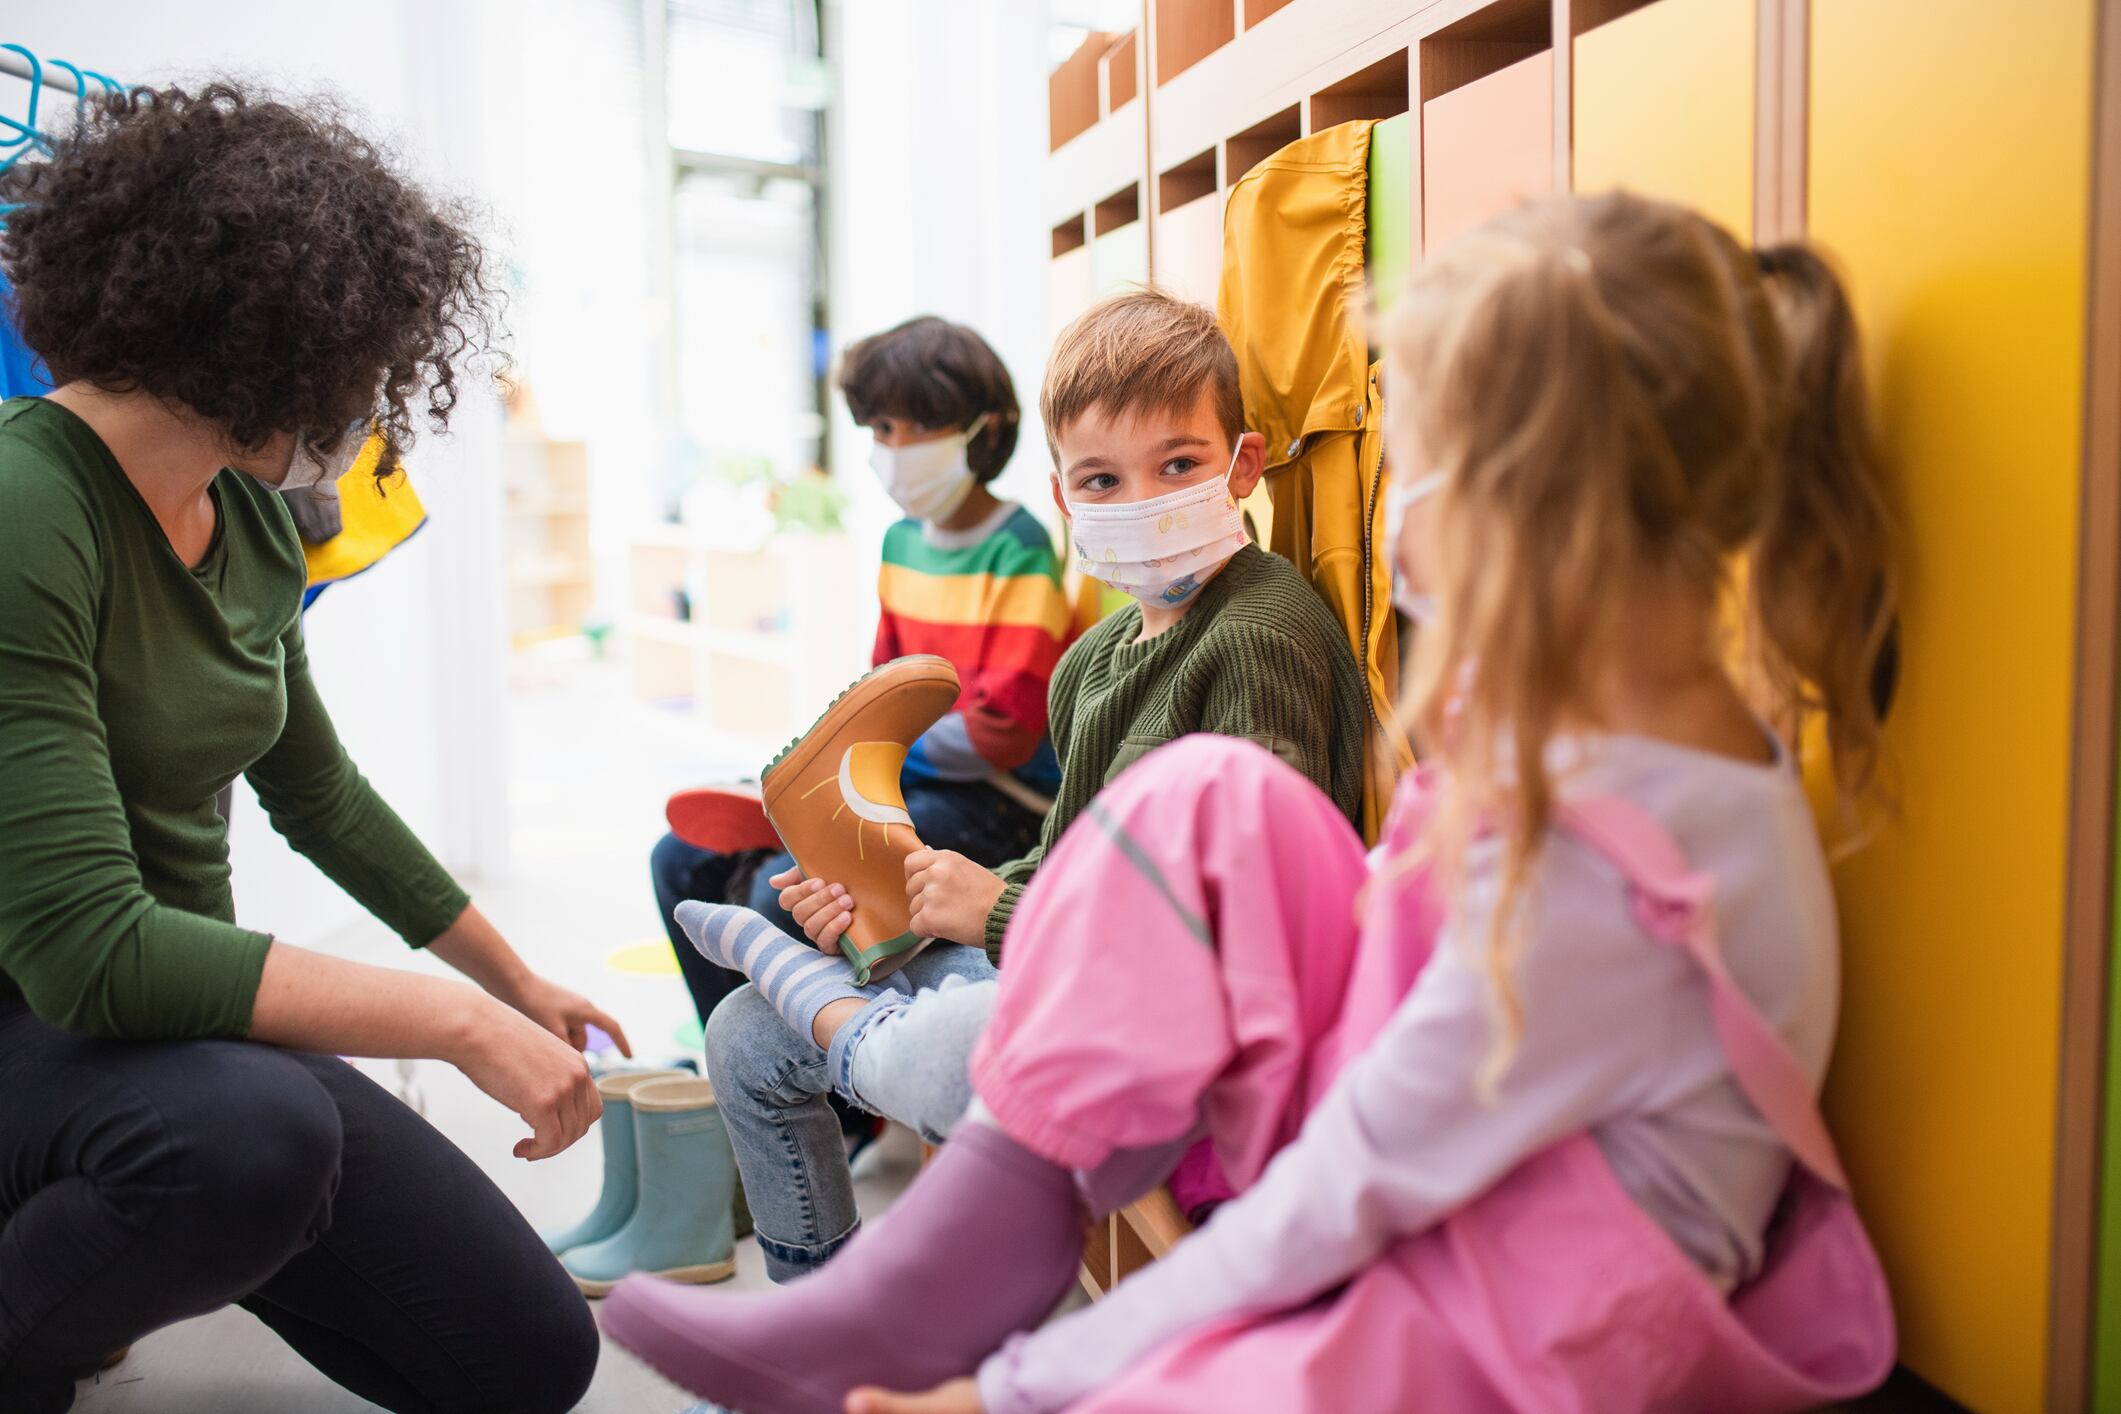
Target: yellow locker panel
[(1664, 106), (1949, 161)]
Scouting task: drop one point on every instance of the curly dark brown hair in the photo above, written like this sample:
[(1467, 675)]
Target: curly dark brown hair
[(255, 259)]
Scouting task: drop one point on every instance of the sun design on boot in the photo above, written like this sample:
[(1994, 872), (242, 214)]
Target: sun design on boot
[(869, 790)]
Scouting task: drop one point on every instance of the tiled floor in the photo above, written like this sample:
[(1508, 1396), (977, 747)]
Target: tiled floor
[(590, 772)]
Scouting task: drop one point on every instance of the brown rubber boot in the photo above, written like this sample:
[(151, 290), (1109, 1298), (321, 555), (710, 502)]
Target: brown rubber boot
[(834, 797)]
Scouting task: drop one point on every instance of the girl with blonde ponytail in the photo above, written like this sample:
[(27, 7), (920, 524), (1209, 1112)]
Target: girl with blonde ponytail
[(1618, 408), (1536, 1126)]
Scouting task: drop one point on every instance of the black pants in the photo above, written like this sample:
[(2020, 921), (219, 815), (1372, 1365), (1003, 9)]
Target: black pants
[(145, 1182)]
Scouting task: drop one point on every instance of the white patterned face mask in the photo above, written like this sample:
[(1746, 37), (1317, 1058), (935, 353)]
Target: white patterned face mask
[(1161, 549)]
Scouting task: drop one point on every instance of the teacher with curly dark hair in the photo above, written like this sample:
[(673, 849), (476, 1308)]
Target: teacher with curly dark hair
[(230, 294)]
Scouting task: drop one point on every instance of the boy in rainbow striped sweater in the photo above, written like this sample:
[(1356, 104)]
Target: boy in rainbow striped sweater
[(966, 576)]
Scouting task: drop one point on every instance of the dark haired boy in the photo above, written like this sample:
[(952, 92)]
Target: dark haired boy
[(966, 576)]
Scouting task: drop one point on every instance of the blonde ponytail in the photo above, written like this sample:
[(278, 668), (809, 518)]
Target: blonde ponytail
[(1612, 387), (1821, 589)]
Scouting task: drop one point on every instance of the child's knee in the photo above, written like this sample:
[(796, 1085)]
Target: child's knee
[(748, 1045)]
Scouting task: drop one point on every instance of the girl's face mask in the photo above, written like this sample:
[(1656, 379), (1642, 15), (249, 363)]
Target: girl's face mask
[(1399, 500)]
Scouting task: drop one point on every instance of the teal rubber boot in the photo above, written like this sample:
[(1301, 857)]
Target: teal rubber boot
[(682, 1228), (615, 1203)]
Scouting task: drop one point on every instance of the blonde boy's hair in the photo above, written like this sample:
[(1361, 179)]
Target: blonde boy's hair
[(1140, 352)]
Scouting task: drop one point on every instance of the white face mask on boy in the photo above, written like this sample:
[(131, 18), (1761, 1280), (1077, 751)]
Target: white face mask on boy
[(929, 480), (1159, 550)]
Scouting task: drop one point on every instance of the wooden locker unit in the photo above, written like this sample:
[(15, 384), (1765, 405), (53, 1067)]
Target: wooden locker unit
[(1390, 246), (1119, 243), (1664, 103), (1072, 107), (1941, 151), (1485, 146), (1090, 171), (2090, 970), (1189, 228), (1951, 185)]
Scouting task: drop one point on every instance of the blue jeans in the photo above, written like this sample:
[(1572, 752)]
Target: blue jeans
[(773, 1087), (970, 817)]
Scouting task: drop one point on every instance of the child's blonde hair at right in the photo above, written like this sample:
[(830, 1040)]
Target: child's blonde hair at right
[(1616, 393)]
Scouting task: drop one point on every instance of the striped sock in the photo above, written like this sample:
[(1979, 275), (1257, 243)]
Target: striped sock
[(797, 979)]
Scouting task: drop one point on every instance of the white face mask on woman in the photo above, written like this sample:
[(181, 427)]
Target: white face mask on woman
[(929, 480), (1398, 501), (307, 469), (1159, 550)]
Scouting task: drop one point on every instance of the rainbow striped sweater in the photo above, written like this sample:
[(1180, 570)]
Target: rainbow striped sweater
[(990, 600)]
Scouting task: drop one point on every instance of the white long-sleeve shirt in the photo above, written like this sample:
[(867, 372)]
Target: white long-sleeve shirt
[(1618, 1041)]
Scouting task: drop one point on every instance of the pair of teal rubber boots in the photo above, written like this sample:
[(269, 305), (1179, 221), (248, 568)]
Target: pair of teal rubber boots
[(669, 1187)]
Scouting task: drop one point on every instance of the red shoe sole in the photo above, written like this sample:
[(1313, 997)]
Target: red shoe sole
[(725, 821)]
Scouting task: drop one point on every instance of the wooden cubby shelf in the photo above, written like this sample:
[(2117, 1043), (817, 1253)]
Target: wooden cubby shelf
[(1260, 141), (1072, 107), (1590, 14), (1117, 210), (1189, 181), (1484, 42), (1925, 147), (1379, 91), (1188, 31), (1122, 79)]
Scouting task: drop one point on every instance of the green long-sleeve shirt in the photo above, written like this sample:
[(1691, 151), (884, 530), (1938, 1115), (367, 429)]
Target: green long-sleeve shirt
[(1259, 656), (132, 689)]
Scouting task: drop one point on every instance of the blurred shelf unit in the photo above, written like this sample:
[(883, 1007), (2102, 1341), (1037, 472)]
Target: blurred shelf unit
[(757, 641), (551, 576)]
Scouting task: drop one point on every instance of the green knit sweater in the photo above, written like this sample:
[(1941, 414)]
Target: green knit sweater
[(132, 688), (1258, 656)]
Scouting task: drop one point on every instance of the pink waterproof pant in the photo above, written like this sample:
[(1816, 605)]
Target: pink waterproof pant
[(1235, 984)]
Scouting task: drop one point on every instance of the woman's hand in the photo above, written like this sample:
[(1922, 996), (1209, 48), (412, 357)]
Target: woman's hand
[(474, 947), (823, 911), (951, 896), (532, 1071), (952, 1397), (565, 1014), (331, 1006)]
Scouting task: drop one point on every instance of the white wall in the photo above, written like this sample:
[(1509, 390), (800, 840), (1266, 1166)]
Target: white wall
[(535, 108), (938, 152), (409, 657)]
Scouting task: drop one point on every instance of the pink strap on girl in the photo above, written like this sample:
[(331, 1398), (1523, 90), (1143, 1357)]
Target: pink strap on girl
[(1673, 904)]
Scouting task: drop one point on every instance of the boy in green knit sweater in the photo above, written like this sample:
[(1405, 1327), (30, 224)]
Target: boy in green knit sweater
[(1146, 427)]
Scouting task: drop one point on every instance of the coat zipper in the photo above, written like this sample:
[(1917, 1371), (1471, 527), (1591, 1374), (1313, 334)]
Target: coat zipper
[(1369, 526)]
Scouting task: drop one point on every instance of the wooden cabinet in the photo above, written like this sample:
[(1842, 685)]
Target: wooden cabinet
[(1942, 153)]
